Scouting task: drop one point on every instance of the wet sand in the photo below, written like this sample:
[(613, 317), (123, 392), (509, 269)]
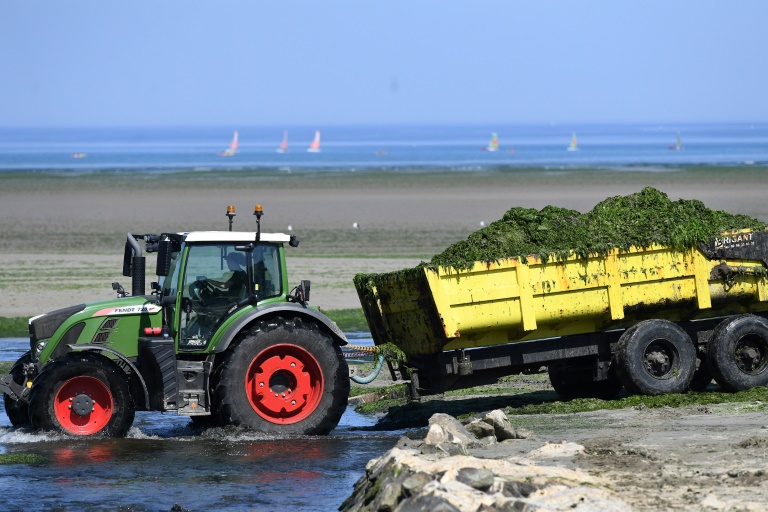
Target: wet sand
[(63, 235)]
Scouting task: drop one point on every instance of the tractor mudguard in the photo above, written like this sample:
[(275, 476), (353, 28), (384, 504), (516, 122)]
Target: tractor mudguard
[(289, 308), (135, 371)]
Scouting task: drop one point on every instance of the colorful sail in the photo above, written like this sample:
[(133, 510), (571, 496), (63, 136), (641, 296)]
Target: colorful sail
[(283, 145), (493, 145), (315, 146), (574, 145), (232, 149)]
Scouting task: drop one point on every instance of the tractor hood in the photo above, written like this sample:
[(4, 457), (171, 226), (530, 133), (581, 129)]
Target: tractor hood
[(112, 323)]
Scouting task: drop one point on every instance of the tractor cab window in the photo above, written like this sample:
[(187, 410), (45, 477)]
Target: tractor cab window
[(266, 271), (171, 282), (216, 279)]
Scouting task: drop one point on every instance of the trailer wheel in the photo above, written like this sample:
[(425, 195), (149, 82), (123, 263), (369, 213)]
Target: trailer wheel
[(580, 383), (82, 394), (655, 357), (284, 377), (18, 410), (738, 353)]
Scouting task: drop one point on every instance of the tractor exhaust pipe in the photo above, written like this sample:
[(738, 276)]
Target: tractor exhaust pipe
[(134, 265)]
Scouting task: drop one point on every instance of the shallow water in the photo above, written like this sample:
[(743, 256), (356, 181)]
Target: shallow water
[(164, 461)]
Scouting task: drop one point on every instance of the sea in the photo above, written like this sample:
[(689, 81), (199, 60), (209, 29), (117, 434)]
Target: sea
[(386, 147)]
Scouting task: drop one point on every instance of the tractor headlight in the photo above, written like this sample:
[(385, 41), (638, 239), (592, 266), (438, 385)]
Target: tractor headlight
[(39, 349)]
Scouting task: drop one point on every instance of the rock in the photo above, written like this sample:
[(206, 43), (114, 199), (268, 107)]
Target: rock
[(477, 478), (405, 480), (488, 508), (518, 489), (447, 435), (557, 450), (480, 429), (389, 494), (522, 433), (502, 428), (487, 441), (426, 503), (414, 483), (444, 448), (408, 443)]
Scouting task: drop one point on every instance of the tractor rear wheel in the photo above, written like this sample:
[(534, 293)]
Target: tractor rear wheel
[(82, 394), (18, 410), (284, 377)]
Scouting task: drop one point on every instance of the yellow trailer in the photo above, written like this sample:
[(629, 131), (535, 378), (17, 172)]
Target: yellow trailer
[(638, 317)]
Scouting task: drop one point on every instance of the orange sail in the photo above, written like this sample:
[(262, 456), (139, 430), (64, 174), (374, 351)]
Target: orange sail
[(315, 146), (283, 145), (232, 149)]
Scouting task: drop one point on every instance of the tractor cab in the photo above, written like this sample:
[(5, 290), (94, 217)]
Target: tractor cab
[(213, 274), (208, 276)]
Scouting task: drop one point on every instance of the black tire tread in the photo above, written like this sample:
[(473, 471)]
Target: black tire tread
[(720, 350), (629, 354)]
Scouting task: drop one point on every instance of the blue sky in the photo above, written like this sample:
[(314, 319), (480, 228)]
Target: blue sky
[(249, 62)]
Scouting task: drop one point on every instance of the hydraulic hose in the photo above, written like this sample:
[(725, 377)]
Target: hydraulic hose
[(371, 376)]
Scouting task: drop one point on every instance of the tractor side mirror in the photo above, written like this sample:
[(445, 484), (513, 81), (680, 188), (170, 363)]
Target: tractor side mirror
[(304, 290), (164, 254)]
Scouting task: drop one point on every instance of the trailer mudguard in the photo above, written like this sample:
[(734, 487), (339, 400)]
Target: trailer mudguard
[(276, 309)]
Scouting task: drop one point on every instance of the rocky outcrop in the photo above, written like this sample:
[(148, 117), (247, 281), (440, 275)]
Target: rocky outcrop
[(437, 474)]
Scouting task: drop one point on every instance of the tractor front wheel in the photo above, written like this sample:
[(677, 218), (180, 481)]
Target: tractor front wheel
[(284, 377), (82, 394)]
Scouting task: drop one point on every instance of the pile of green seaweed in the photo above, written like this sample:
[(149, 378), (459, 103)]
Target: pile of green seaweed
[(640, 219)]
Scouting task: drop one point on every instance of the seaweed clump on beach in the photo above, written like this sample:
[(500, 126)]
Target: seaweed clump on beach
[(640, 219)]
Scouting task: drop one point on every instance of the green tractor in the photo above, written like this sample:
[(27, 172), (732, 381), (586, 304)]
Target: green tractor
[(221, 339)]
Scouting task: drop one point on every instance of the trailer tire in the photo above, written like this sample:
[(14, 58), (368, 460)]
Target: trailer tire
[(580, 383), (655, 357), (284, 376), (738, 353), (18, 410), (82, 394)]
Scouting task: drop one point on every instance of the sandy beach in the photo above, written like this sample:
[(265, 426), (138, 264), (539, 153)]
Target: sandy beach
[(63, 234)]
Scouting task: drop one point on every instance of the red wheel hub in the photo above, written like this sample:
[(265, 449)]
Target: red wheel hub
[(83, 405), (284, 384)]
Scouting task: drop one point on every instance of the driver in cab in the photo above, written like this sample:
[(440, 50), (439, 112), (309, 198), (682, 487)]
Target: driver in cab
[(234, 282)]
